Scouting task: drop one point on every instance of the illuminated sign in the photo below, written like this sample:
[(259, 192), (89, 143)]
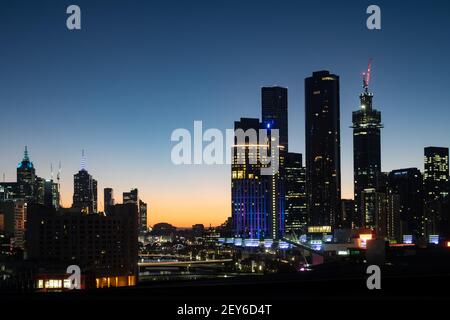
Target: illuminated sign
[(251, 242), (268, 243), (433, 239), (407, 238), (365, 236), (283, 245), (319, 229)]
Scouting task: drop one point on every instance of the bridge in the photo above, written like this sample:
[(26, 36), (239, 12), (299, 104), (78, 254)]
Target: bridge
[(183, 263)]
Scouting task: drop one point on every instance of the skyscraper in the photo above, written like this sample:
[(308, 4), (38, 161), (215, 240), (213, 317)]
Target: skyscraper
[(25, 170), (108, 199), (84, 190), (51, 194), (347, 213), (257, 199), (143, 216), (374, 211), (408, 185), (436, 189), (274, 115), (322, 134), (274, 111), (296, 214), (366, 148), (250, 192), (104, 247), (26, 178), (133, 197)]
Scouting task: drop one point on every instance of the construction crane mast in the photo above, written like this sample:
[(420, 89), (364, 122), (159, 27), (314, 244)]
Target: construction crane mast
[(366, 76)]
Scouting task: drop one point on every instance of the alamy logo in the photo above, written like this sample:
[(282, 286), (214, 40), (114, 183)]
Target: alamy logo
[(75, 276), (374, 20), (374, 280), (251, 147), (73, 21)]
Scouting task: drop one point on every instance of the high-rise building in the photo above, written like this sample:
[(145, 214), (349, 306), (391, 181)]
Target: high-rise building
[(393, 228), (250, 194), (29, 187), (322, 134), (143, 216), (25, 170), (51, 194), (436, 191), (257, 199), (366, 147), (295, 183), (133, 197), (374, 215), (347, 213), (274, 107), (84, 192), (108, 199), (104, 247), (26, 178), (20, 221), (7, 209), (408, 185)]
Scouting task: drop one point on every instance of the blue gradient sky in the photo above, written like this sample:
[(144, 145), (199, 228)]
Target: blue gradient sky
[(139, 69)]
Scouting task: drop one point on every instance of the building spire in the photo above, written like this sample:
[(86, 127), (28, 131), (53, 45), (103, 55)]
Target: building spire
[(366, 76), (25, 154), (83, 160)]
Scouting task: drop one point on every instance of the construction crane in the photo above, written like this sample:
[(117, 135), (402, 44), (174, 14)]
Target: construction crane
[(366, 76)]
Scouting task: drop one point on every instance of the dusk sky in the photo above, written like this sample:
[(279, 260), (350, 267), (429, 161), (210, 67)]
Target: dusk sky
[(137, 70)]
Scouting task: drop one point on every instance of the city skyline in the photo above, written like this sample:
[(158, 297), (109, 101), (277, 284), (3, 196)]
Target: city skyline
[(134, 150)]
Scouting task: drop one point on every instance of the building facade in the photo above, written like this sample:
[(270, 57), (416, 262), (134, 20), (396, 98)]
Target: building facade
[(295, 181), (408, 185), (322, 134), (366, 150), (84, 192), (436, 191), (257, 199), (104, 247)]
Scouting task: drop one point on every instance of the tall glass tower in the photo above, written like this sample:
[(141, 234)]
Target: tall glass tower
[(436, 186), (323, 148), (366, 148)]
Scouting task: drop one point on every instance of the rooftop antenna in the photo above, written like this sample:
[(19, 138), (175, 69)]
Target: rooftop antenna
[(366, 76), (83, 160), (25, 154), (51, 171)]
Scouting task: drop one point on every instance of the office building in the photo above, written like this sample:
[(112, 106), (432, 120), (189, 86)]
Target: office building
[(366, 147), (436, 190), (274, 111), (295, 182), (257, 199), (347, 214), (322, 140), (108, 199), (84, 192), (104, 247), (408, 185), (143, 216)]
